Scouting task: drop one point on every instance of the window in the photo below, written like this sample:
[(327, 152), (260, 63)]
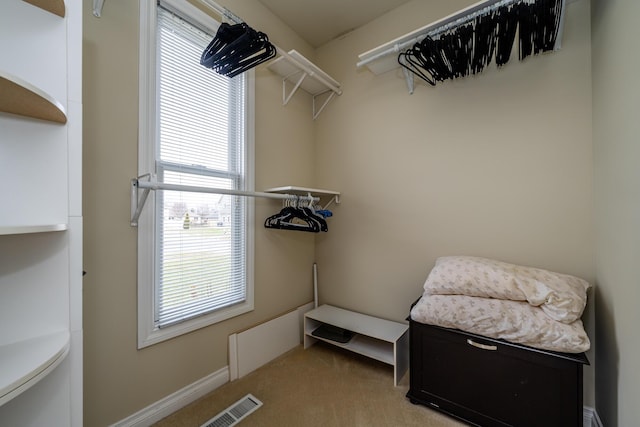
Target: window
[(195, 249)]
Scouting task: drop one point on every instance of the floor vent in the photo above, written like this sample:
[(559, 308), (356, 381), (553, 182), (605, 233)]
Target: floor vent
[(234, 413)]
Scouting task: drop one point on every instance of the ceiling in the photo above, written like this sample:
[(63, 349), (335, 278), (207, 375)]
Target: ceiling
[(319, 21)]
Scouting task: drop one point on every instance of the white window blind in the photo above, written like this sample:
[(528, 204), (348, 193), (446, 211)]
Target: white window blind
[(201, 242)]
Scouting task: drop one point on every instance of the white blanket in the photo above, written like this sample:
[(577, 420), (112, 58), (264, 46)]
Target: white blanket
[(514, 321), (562, 297)]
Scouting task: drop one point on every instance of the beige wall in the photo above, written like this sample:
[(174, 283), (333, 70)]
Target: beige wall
[(119, 380), (497, 165), (617, 195)]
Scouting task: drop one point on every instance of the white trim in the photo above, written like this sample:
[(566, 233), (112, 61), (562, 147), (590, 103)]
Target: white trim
[(147, 333), (590, 417), (195, 15), (170, 404), (146, 132), (301, 312), (233, 357), (257, 346)]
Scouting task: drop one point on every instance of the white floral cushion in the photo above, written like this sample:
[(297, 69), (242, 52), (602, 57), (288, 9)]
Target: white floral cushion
[(514, 321), (562, 297)]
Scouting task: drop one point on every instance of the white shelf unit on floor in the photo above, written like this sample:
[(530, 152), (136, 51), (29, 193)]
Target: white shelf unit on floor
[(379, 339)]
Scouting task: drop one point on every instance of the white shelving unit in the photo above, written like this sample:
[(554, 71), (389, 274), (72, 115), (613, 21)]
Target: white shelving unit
[(379, 339), (303, 74), (41, 213)]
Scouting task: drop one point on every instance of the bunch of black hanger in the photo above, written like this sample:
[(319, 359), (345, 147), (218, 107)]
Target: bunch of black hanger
[(299, 219), (469, 48), (236, 48)]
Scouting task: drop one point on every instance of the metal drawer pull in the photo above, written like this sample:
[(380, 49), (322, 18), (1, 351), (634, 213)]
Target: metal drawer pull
[(482, 346)]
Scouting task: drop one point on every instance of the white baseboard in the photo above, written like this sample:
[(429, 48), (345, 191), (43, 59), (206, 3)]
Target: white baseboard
[(251, 349), (248, 351), (590, 417), (181, 398)]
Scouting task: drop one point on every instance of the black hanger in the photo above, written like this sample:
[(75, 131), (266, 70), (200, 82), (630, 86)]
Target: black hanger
[(409, 61), (322, 223), (226, 35), (507, 22), (255, 52), (237, 48), (283, 220), (539, 23), (484, 42)]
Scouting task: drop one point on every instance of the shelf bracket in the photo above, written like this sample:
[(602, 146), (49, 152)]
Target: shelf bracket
[(408, 77), (286, 98), (324, 104), (138, 200), (97, 8), (335, 198)]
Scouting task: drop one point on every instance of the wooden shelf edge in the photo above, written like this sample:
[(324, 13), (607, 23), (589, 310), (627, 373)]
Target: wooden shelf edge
[(57, 7), (20, 97), (27, 362), (27, 229)]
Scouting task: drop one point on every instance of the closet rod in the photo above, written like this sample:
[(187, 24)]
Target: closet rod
[(224, 12), (455, 19), (137, 202)]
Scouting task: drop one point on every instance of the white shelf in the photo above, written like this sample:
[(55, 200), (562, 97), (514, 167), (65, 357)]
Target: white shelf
[(27, 229), (384, 58), (304, 74), (376, 338), (22, 98), (313, 85), (26, 362), (56, 7), (304, 191)]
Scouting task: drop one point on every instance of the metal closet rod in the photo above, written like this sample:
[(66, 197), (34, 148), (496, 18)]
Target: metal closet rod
[(461, 17), (137, 202), (224, 12)]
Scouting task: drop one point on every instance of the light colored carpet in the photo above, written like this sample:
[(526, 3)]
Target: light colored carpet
[(321, 386)]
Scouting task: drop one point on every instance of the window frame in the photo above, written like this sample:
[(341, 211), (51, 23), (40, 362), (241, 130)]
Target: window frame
[(148, 333)]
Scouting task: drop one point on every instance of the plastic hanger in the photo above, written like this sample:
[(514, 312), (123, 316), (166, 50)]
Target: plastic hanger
[(507, 23), (284, 218), (237, 48), (311, 214)]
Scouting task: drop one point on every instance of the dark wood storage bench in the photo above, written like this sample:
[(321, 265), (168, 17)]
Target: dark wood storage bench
[(489, 382)]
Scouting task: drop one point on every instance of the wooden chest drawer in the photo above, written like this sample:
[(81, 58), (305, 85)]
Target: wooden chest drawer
[(490, 382)]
